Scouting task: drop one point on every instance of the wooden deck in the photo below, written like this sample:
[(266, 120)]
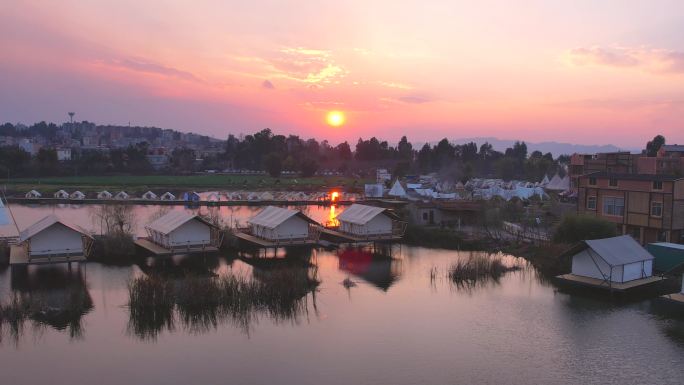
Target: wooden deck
[(19, 256), (161, 251), (349, 238), (676, 297), (261, 242), (601, 284)]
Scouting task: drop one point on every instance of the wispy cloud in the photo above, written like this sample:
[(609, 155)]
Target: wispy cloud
[(652, 60), (306, 65), (146, 66)]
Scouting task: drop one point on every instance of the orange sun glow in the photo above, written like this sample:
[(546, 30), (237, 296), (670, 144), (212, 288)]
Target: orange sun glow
[(335, 118)]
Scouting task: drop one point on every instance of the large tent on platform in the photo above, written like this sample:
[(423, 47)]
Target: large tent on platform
[(365, 220), (617, 259), (51, 236), (277, 224), (397, 190), (179, 229)]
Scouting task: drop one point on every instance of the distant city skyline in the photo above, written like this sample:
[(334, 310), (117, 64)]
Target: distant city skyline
[(579, 72)]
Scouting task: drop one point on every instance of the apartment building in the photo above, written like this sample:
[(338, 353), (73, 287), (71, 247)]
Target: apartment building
[(650, 207)]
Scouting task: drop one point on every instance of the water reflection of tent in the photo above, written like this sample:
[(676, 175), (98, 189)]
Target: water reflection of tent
[(382, 272), (53, 296)]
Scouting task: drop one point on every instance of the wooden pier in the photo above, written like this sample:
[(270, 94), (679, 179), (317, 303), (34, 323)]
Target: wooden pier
[(266, 243), (19, 256), (607, 285), (161, 251), (341, 237), (677, 298)]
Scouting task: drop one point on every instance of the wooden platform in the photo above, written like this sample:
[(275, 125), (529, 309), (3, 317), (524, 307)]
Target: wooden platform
[(19, 256), (601, 284), (349, 238), (676, 297), (261, 242), (160, 251)]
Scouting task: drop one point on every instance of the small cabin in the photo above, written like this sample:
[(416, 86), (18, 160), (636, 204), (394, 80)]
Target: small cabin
[(52, 237), (33, 194), (213, 197), (121, 195), (180, 230), (77, 195), (149, 196), (167, 196), (104, 195), (362, 220), (279, 224), (667, 255), (618, 259), (61, 194)]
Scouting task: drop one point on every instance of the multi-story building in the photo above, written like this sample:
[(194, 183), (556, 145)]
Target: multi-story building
[(650, 207), (617, 162)]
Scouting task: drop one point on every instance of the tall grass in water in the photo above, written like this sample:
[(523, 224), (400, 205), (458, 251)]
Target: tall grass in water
[(200, 304), (478, 268)]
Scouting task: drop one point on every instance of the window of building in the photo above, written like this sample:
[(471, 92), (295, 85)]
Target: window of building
[(591, 203), (425, 216), (612, 182), (657, 185), (592, 181), (657, 209), (614, 206)]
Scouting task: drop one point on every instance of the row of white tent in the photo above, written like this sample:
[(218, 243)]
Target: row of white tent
[(121, 195)]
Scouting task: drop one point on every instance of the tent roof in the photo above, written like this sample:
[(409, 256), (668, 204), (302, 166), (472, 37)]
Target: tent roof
[(615, 251), (362, 214), (272, 216), (173, 220), (44, 223), (397, 190)]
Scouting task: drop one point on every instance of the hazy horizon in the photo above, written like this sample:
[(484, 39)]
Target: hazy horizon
[(582, 73)]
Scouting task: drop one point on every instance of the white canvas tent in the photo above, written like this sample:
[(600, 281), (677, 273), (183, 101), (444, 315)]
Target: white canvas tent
[(33, 194), (558, 184), (167, 196), (544, 181), (121, 195), (51, 236), (397, 190), (618, 259), (77, 195), (104, 195), (149, 196), (61, 194), (179, 229), (367, 220), (277, 223)]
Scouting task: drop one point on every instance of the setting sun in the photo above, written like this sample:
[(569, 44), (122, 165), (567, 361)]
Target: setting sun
[(335, 118)]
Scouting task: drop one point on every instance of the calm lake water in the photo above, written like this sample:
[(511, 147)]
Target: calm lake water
[(398, 325)]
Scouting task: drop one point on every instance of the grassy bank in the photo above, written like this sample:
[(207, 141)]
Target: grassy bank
[(440, 239), (206, 181)]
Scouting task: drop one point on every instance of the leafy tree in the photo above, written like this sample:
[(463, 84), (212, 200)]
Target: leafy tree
[(575, 228), (309, 167), (654, 145), (273, 164)]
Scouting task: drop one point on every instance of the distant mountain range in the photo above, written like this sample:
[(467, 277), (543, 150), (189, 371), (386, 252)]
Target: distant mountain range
[(555, 148)]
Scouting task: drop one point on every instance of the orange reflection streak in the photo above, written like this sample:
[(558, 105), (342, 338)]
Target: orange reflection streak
[(332, 218)]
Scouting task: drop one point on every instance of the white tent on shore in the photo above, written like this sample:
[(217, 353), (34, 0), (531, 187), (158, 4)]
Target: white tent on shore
[(121, 195), (33, 194), (77, 195), (104, 195), (61, 194), (558, 184), (397, 190), (149, 196), (167, 196)]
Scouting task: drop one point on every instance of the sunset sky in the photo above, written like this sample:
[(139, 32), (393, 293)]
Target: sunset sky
[(591, 72)]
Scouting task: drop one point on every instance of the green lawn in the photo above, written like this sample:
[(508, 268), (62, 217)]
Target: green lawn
[(191, 181)]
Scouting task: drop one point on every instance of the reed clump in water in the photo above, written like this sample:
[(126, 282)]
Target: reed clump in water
[(478, 267), (202, 303)]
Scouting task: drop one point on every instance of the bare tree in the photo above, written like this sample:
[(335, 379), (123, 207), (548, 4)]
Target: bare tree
[(116, 219)]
